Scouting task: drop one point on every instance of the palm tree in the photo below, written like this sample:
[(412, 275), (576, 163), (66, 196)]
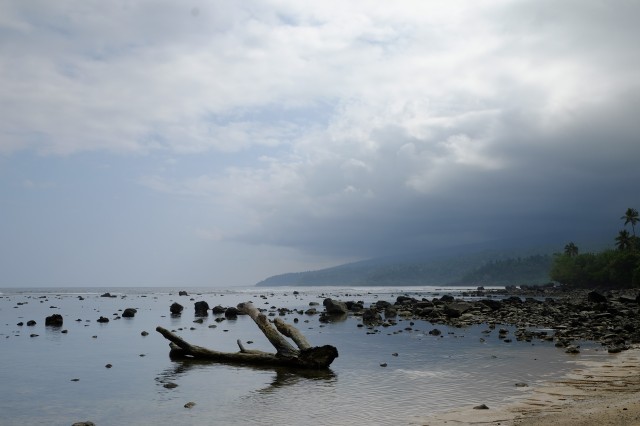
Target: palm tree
[(571, 249), (623, 240), (631, 216)]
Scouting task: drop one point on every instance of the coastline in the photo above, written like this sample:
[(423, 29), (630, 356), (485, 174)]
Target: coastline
[(593, 393)]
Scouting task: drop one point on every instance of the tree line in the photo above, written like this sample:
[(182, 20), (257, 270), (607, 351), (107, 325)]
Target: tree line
[(613, 268)]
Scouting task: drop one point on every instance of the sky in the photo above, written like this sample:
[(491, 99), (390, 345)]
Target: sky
[(216, 143)]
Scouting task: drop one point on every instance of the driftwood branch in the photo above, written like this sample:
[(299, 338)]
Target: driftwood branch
[(283, 347), (286, 355)]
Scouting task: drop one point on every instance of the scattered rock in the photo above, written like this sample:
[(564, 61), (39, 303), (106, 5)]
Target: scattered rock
[(102, 319), (231, 313), (334, 307), (170, 385), (189, 405), (108, 366), (129, 313), (176, 308), (83, 424), (595, 297), (54, 320), (183, 293), (201, 309), (31, 323), (218, 309), (144, 334), (481, 407), (107, 295)]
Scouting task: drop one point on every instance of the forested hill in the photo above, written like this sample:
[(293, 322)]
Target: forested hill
[(480, 269)]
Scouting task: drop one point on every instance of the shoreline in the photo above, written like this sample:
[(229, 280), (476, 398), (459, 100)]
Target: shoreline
[(593, 393)]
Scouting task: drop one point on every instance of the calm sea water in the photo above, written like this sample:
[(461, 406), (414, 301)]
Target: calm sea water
[(58, 378)]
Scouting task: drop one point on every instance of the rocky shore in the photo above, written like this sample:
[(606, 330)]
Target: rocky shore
[(548, 313)]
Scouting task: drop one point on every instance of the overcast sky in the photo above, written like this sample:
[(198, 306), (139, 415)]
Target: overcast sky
[(215, 143)]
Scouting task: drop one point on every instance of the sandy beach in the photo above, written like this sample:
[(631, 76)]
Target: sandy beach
[(593, 393)]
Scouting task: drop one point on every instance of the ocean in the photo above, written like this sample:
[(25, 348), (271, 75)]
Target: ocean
[(388, 376)]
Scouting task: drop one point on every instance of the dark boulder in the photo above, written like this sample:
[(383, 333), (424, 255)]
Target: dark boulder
[(447, 298), (176, 308), (494, 305), (218, 309), (201, 308), (371, 316), (334, 307), (405, 300), (102, 319), (31, 323), (54, 320), (183, 293), (129, 313), (595, 297), (231, 313), (107, 295), (456, 309)]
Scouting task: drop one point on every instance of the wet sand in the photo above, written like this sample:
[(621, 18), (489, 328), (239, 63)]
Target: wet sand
[(593, 393)]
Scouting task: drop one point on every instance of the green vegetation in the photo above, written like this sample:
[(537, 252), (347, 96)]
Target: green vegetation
[(619, 268)]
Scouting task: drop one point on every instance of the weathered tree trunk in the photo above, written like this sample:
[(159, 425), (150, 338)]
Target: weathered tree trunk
[(286, 355)]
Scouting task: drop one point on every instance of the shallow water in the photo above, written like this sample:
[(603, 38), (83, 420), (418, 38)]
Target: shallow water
[(428, 374)]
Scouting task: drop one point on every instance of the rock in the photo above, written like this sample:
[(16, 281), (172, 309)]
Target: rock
[(183, 293), (456, 309), (83, 424), (54, 320), (521, 385), (144, 334), (494, 305), (176, 308), (20, 324), (218, 309), (572, 350), (189, 405), (103, 319), (31, 323), (384, 364), (170, 385), (595, 297), (435, 332), (311, 311), (335, 306), (108, 366), (231, 313), (447, 298), (129, 313), (107, 295), (371, 316), (481, 407), (201, 309)]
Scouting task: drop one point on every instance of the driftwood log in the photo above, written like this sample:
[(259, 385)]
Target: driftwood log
[(304, 356)]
